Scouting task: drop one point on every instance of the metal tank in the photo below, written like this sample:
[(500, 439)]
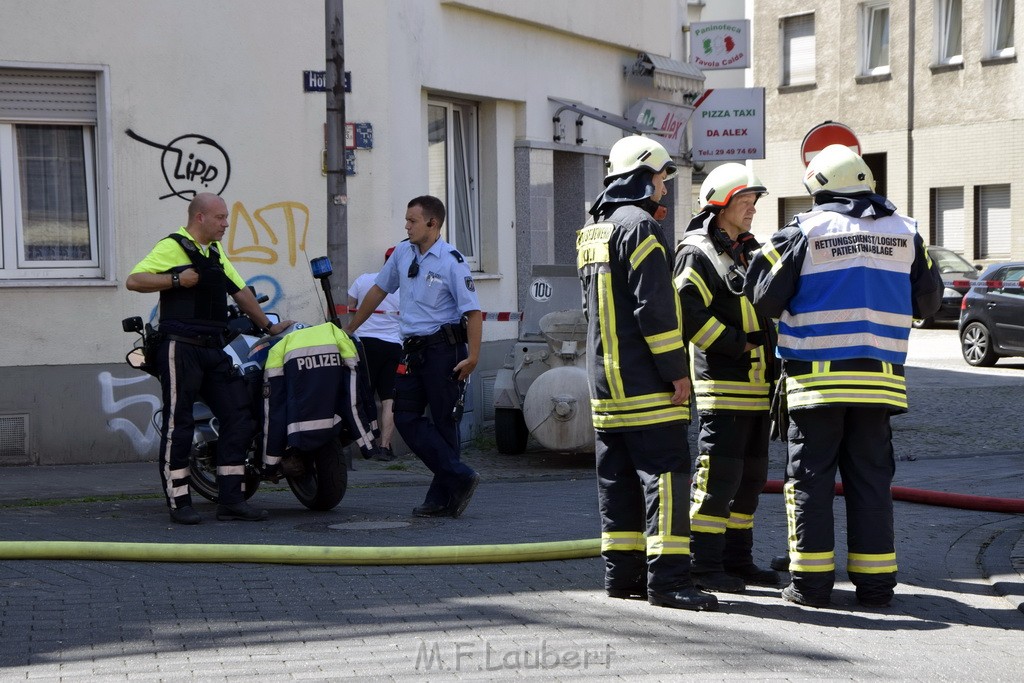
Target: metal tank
[(542, 389)]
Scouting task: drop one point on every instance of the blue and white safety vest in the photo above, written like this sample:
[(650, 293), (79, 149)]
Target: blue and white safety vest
[(854, 294), (845, 285)]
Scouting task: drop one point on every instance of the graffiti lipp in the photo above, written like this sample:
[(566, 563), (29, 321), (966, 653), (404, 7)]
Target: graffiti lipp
[(191, 164)]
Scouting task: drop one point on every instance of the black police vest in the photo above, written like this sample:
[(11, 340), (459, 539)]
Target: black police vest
[(204, 304)]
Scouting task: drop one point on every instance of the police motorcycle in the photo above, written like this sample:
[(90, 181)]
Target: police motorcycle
[(317, 476)]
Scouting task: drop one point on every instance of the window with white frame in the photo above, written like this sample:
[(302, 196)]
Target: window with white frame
[(874, 38), (999, 18), (453, 159), (797, 36), (48, 167), (948, 31), (993, 211), (948, 218)]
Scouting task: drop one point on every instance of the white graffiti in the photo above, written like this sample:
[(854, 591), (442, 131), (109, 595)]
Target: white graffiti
[(145, 442)]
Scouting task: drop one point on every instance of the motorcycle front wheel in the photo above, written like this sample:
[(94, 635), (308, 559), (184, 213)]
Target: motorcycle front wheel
[(323, 484), (202, 469)]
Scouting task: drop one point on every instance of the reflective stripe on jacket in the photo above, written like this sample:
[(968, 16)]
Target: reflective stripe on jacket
[(312, 392), (716, 321), (635, 347), (854, 295), (845, 287)]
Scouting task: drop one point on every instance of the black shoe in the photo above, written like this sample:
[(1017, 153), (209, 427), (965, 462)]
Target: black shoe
[(793, 595), (629, 593), (461, 499), (877, 601), (753, 575), (780, 563), (384, 454), (684, 598), (431, 510), (185, 515), (718, 582), (241, 511)]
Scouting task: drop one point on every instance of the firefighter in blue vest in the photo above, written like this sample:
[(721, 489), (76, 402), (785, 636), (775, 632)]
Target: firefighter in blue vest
[(732, 365), (845, 280), (194, 278), (639, 388)]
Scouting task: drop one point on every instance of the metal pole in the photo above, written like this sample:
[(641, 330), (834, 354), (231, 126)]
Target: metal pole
[(337, 189)]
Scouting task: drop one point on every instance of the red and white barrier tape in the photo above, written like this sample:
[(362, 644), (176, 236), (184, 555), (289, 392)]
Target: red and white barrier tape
[(497, 316), (990, 284), (503, 316)]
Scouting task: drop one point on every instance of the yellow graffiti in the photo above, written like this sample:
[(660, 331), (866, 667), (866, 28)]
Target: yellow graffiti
[(274, 219)]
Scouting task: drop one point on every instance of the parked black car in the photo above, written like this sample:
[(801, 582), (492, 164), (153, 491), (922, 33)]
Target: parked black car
[(956, 273), (992, 317)]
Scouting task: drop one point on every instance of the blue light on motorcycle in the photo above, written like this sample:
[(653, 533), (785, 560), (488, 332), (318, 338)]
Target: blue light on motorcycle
[(321, 267)]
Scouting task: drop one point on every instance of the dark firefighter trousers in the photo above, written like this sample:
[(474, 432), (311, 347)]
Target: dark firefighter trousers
[(436, 441), (859, 442), (732, 468), (189, 373), (642, 492)]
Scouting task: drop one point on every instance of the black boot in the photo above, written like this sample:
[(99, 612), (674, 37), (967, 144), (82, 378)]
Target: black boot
[(739, 561), (186, 514), (683, 598), (706, 567), (755, 576), (718, 582), (638, 592)]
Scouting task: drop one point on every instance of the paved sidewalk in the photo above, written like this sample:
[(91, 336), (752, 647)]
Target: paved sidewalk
[(957, 613)]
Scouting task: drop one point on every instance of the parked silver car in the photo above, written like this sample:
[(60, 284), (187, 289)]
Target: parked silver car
[(957, 272)]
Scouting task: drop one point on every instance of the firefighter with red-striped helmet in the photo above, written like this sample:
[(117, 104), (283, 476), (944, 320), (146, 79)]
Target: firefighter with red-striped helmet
[(732, 365)]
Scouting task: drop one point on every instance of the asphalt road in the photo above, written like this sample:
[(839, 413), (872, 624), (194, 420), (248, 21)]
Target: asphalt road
[(957, 613)]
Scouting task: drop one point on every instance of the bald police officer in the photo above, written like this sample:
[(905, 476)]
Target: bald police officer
[(194, 278)]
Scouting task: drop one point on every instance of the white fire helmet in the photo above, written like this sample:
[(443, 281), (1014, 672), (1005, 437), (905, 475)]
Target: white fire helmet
[(838, 169), (636, 151), (728, 181)]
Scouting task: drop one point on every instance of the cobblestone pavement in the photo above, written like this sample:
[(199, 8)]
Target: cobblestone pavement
[(957, 613)]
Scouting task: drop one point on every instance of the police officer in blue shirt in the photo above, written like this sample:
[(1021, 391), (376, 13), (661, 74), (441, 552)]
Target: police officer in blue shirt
[(441, 328)]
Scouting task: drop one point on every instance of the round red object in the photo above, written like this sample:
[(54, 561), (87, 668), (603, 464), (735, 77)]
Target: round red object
[(825, 134)]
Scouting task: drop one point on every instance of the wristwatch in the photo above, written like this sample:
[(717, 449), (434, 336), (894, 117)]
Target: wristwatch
[(175, 281)]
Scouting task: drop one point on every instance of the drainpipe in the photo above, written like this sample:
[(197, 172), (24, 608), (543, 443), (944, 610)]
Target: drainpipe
[(911, 53), (337, 186)]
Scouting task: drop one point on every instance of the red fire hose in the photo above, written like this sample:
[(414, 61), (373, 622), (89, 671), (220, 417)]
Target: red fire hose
[(949, 500)]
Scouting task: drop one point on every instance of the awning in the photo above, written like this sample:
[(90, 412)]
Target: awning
[(669, 74)]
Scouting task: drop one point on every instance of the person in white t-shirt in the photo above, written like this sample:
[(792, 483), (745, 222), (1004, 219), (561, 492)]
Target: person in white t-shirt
[(382, 346)]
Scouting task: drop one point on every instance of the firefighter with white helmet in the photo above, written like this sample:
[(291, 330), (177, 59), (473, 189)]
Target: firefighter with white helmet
[(732, 365), (639, 388), (837, 169), (845, 281)]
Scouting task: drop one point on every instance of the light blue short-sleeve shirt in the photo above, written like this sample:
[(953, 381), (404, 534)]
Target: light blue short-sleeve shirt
[(441, 293)]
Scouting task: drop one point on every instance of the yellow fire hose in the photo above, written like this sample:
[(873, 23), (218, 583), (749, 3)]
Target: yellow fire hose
[(298, 554)]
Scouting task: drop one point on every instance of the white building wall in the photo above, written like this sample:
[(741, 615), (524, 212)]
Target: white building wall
[(510, 57), (177, 69), (232, 71)]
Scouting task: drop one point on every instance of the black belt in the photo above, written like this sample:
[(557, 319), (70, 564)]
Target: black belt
[(416, 343), (205, 340)]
